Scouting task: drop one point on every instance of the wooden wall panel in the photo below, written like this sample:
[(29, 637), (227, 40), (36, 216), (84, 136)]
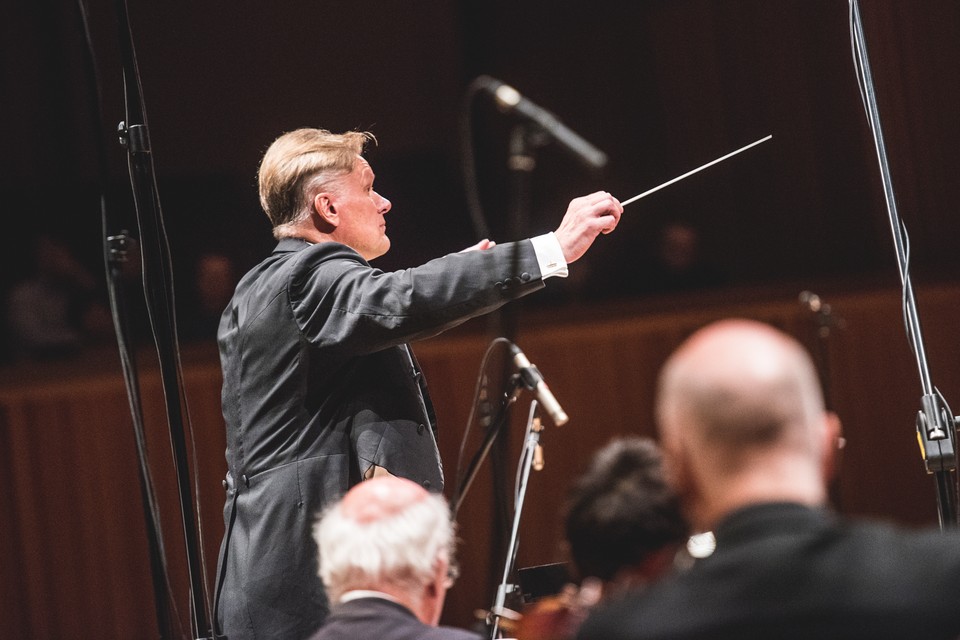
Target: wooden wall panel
[(73, 557)]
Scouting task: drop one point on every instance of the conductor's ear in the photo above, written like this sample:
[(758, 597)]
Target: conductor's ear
[(325, 212)]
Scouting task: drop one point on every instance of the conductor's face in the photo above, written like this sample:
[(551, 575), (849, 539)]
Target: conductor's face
[(360, 212)]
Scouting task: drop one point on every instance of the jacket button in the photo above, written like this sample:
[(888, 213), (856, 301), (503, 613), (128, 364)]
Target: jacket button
[(525, 276), (420, 429), (426, 484)]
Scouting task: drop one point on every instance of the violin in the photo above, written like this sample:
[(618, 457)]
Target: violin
[(559, 616)]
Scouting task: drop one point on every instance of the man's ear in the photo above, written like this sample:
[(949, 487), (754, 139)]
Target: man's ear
[(676, 462), (325, 215), (833, 444), (433, 595), (680, 471), (676, 468)]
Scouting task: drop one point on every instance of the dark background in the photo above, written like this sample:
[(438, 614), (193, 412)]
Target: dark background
[(661, 86)]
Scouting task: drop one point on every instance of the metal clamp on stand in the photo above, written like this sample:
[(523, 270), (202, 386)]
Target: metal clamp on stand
[(936, 425), (934, 420), (530, 458)]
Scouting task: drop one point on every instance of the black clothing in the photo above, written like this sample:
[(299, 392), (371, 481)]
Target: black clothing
[(318, 385), (379, 619), (787, 571)]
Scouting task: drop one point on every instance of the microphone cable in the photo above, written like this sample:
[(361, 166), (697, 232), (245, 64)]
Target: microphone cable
[(113, 255), (468, 164)]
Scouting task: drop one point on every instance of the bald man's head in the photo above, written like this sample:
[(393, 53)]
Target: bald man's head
[(387, 497), (737, 388), (387, 534)]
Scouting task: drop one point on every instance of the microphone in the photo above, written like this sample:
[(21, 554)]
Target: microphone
[(533, 380), (509, 100)]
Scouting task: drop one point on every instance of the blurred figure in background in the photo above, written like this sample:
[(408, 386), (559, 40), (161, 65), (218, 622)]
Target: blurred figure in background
[(678, 262), (671, 260), (749, 447), (212, 285), (624, 528), (54, 311)]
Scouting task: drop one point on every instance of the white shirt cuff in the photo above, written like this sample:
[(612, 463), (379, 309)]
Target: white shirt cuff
[(549, 256)]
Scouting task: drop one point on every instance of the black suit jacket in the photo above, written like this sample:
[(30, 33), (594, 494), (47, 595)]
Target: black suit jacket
[(786, 571), (319, 384), (379, 619)]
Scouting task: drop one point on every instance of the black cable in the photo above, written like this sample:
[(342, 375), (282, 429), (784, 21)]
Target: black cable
[(937, 427), (120, 317), (903, 237), (468, 164), (481, 383), (159, 294)]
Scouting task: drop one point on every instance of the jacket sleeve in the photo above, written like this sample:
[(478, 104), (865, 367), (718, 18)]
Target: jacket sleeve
[(343, 304)]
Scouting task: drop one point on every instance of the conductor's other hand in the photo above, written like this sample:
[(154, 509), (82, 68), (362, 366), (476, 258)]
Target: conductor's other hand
[(586, 218), (483, 245)]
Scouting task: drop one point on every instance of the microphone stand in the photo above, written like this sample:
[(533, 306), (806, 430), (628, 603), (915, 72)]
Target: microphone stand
[(116, 243), (525, 138), (936, 424), (530, 458), (823, 322), (511, 393), (158, 289)]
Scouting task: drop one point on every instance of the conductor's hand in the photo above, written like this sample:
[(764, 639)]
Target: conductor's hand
[(483, 245), (586, 218)]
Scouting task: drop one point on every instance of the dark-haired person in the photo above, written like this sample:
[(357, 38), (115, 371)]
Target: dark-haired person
[(624, 529)]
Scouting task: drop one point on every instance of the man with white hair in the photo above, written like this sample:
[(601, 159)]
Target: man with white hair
[(749, 447), (386, 552)]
